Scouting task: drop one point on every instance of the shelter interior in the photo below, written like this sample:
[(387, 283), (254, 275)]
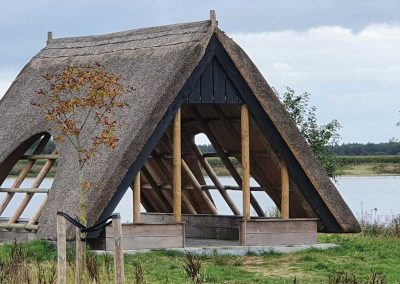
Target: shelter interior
[(172, 180)]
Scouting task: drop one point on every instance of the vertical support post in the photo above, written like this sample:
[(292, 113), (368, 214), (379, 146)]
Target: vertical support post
[(79, 251), (118, 251), (245, 161), (177, 167), (61, 250), (284, 191), (136, 200)]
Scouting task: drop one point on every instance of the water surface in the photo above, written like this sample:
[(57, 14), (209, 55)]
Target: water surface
[(371, 196)]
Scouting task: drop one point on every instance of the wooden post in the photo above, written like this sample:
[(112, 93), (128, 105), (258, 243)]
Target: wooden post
[(245, 161), (61, 250), (177, 163), (118, 250), (79, 257), (284, 191), (136, 200)]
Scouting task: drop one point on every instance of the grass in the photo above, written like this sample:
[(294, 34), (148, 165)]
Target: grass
[(371, 169), (370, 165), (358, 256)]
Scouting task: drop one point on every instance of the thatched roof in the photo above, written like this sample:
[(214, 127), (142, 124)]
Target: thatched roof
[(157, 62)]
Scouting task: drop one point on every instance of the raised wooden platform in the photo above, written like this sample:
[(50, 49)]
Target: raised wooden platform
[(271, 232), (147, 236), (201, 226)]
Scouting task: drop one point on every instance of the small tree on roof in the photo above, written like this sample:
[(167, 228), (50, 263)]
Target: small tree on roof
[(82, 102)]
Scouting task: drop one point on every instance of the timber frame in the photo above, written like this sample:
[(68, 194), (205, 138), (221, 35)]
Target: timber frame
[(216, 50)]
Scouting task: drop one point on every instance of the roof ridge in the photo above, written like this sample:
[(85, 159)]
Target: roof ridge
[(140, 31)]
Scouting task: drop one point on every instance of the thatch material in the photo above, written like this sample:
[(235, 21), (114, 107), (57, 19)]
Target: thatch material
[(157, 62)]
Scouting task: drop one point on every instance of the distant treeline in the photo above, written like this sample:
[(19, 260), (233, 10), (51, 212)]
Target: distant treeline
[(347, 149), (350, 149), (371, 159), (368, 149), (206, 148)]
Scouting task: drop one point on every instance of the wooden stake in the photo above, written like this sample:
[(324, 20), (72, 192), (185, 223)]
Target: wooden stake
[(245, 161), (79, 251), (61, 250), (198, 187), (136, 200), (118, 250), (284, 191), (177, 167)]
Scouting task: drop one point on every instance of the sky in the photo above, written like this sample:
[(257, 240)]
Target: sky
[(345, 53)]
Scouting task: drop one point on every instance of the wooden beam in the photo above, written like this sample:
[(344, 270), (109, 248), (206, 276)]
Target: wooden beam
[(28, 196), (152, 195), (234, 119), (232, 187), (213, 176), (237, 138), (177, 167), (41, 157), (136, 200), (162, 202), (245, 161), (198, 187), (18, 226), (35, 217), (285, 191), (164, 173), (261, 154), (225, 159), (24, 173), (25, 190), (160, 159), (164, 167)]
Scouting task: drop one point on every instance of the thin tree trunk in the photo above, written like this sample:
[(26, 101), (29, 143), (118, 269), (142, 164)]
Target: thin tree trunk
[(80, 246)]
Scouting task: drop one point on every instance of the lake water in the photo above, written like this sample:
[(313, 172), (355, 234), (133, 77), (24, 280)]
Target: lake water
[(374, 196)]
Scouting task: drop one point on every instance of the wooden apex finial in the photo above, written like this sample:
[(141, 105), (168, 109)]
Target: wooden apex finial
[(213, 18), (49, 37)]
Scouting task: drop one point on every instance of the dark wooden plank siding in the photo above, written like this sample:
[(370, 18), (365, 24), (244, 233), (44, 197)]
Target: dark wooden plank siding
[(214, 86), (207, 89), (232, 94), (219, 83), (195, 95)]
